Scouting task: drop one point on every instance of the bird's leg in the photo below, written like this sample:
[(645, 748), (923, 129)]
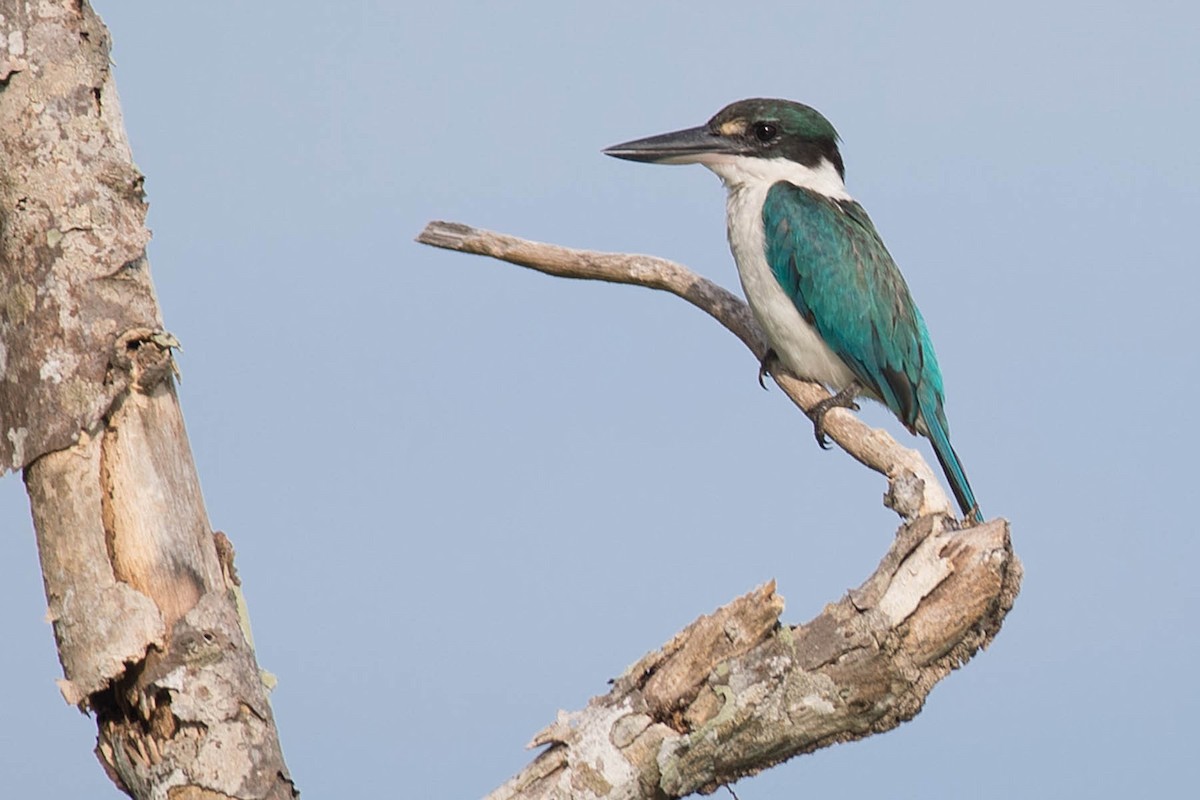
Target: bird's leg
[(843, 399), (767, 366)]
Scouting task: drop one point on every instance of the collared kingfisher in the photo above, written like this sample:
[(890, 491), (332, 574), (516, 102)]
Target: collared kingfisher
[(818, 278)]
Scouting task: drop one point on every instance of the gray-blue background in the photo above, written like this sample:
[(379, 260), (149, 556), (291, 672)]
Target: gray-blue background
[(464, 495)]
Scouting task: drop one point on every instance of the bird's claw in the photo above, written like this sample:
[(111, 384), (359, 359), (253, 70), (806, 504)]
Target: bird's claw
[(843, 399), (766, 366)]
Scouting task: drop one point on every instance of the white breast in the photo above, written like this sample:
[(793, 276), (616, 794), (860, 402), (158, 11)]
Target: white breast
[(797, 343)]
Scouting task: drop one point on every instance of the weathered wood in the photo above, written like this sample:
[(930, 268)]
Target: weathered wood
[(101, 623), (143, 609), (160, 540), (913, 487), (73, 242), (702, 712), (737, 692)]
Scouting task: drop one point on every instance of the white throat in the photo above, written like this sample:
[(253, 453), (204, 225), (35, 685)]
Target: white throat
[(743, 172)]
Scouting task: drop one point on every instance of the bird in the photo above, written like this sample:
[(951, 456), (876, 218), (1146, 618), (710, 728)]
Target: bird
[(817, 276)]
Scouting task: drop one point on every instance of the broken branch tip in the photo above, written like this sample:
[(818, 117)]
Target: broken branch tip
[(448, 235)]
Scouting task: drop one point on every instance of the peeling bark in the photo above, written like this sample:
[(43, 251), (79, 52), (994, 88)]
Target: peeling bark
[(144, 610), (739, 691)]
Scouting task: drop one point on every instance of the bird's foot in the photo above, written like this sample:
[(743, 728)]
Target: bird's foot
[(843, 399), (767, 367)]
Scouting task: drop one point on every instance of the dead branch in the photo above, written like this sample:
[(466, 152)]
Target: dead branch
[(913, 488), (738, 691)]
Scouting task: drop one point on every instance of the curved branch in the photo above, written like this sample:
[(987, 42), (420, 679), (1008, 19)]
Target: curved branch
[(913, 488), (738, 691)]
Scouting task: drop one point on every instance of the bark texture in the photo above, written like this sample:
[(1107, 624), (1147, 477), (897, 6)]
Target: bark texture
[(739, 691), (144, 610)]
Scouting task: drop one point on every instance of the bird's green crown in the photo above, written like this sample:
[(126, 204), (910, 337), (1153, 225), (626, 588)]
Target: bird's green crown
[(770, 128)]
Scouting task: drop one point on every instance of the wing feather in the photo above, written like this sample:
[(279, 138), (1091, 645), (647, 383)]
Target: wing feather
[(827, 256)]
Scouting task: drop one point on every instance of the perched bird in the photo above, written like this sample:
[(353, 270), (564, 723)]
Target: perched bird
[(818, 278)]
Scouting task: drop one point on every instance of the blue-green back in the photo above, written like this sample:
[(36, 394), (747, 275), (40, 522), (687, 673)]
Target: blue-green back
[(829, 259)]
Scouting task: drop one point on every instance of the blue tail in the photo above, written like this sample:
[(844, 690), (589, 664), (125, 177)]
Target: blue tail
[(939, 436)]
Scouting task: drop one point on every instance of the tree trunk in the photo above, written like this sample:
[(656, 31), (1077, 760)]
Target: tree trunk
[(144, 606)]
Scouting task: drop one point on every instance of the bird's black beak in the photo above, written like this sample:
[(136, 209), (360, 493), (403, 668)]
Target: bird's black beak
[(680, 147)]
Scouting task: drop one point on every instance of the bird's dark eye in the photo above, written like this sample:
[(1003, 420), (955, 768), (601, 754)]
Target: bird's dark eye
[(765, 131)]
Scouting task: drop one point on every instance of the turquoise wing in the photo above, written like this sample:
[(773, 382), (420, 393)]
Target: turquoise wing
[(827, 256), (831, 262)]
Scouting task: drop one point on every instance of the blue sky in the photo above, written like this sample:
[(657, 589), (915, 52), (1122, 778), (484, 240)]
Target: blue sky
[(464, 495)]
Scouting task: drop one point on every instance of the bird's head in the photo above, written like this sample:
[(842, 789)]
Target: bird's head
[(749, 140)]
